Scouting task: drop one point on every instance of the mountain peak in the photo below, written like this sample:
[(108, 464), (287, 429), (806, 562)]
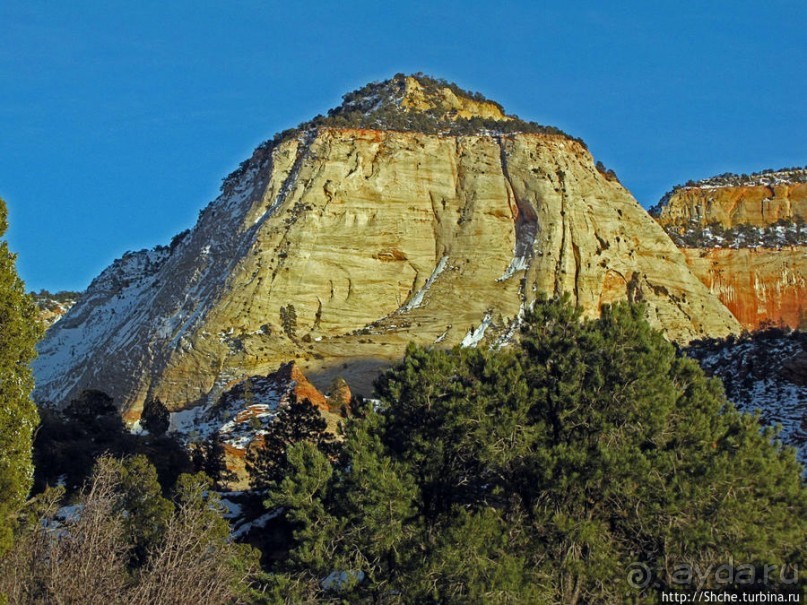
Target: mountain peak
[(420, 103), (454, 102), (410, 103), (421, 94)]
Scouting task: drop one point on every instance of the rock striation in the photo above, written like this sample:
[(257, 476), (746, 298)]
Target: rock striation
[(729, 200), (336, 244), (759, 286), (745, 239)]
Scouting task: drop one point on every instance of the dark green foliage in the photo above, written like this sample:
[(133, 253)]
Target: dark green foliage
[(178, 239), (61, 296), (68, 444), (155, 417), (608, 173), (792, 174), (19, 332), (147, 511), (209, 457), (294, 423), (540, 473), (94, 408), (374, 106)]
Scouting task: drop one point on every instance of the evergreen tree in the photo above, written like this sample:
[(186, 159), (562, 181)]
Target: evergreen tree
[(155, 417), (288, 319), (540, 473), (210, 457), (147, 512), (19, 332), (295, 422)]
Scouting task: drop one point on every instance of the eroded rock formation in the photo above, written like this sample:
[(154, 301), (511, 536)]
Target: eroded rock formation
[(338, 246), (759, 286), (744, 237), (757, 200)]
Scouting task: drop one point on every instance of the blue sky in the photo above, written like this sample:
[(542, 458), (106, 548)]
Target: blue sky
[(119, 119)]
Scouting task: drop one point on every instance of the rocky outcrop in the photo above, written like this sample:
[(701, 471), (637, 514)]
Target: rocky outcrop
[(52, 307), (760, 287), (744, 236), (729, 200), (237, 421), (417, 98), (303, 390), (338, 246)]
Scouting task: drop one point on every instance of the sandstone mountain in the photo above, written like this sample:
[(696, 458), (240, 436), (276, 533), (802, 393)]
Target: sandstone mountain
[(729, 200), (413, 212), (745, 239)]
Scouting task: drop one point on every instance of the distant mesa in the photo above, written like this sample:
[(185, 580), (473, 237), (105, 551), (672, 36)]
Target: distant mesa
[(745, 238), (759, 200)]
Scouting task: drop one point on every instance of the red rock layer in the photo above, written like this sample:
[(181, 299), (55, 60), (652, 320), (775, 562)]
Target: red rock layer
[(303, 389), (759, 286)]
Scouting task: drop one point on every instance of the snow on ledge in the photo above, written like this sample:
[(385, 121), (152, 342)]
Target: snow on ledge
[(417, 299), (474, 337), (518, 263)]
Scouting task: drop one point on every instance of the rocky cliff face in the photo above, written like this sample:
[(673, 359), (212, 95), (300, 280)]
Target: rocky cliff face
[(744, 237), (759, 286), (337, 246), (757, 200)]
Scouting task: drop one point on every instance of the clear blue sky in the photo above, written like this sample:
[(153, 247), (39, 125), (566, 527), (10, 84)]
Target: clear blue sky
[(119, 119)]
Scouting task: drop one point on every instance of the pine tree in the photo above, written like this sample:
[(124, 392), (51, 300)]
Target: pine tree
[(295, 422), (155, 418), (19, 332), (147, 512), (541, 473), (288, 319)]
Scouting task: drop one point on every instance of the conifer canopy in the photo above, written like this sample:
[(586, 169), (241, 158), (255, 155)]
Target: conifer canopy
[(542, 472), (19, 332)]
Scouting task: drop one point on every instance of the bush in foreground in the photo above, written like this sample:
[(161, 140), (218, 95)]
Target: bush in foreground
[(123, 542)]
